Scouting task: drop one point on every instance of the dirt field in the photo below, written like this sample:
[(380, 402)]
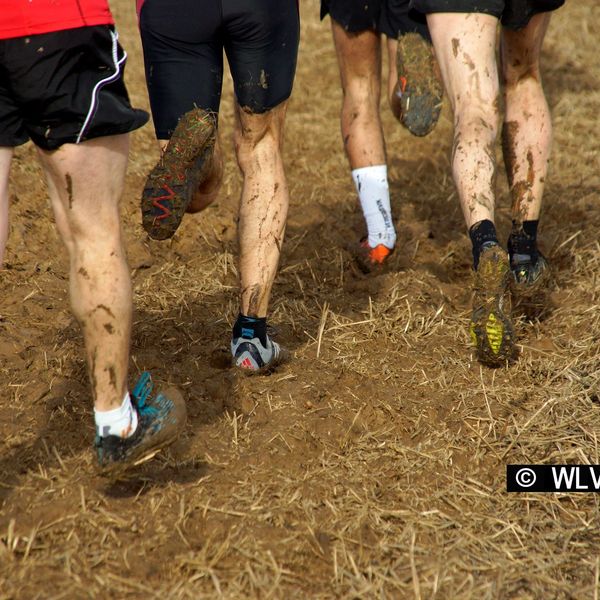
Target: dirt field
[(373, 465)]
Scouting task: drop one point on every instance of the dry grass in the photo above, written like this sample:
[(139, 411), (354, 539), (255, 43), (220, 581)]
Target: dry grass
[(373, 465)]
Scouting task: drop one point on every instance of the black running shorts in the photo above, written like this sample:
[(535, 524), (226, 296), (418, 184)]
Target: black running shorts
[(514, 14), (183, 44), (64, 87), (391, 17)]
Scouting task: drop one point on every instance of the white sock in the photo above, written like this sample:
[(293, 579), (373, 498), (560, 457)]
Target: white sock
[(121, 421), (374, 194)]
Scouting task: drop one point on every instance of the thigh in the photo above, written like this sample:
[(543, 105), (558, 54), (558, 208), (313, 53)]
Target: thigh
[(85, 182), (359, 58), (183, 57), (261, 42), (518, 13), (465, 47), (495, 8), (520, 50), (69, 85), (6, 154), (353, 15)]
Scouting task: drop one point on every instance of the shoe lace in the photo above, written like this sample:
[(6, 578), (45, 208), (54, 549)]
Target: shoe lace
[(142, 392)]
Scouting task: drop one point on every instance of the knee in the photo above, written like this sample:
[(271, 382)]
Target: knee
[(96, 234), (479, 119), (255, 139), (519, 70)]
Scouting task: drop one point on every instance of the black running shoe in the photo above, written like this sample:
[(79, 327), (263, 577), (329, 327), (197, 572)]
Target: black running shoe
[(184, 165), (161, 418), (530, 273), (252, 357), (530, 285)]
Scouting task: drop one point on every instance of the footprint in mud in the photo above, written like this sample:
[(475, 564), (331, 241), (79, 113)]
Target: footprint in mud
[(220, 359)]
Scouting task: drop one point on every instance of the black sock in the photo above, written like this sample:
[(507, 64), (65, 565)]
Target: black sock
[(482, 234), (523, 239), (251, 327)]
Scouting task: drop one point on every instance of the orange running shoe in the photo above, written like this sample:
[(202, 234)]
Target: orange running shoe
[(371, 259)]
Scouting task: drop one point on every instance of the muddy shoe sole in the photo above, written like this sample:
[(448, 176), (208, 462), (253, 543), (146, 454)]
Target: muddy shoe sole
[(417, 99), (492, 331), (172, 182)]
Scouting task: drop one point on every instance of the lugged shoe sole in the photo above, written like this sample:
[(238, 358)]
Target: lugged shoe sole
[(491, 329), (184, 165), (417, 99)]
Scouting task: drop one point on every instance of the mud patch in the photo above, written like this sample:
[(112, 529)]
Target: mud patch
[(69, 181)]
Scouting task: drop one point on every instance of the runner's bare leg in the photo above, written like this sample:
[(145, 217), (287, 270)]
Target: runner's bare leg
[(5, 158), (392, 48), (85, 183), (359, 60), (527, 132), (465, 46), (263, 206)]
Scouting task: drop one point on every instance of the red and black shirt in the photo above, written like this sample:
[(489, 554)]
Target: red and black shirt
[(29, 17)]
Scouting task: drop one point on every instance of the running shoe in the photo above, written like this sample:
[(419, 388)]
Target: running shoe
[(417, 97), (161, 418), (492, 331), (253, 358), (183, 166), (531, 277), (370, 259), (530, 273)]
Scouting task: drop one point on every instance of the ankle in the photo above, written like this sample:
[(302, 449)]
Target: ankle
[(522, 240), (120, 421), (251, 327), (482, 234), (374, 196)]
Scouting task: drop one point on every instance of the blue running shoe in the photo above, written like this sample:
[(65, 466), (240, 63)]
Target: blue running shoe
[(161, 418), (252, 357)]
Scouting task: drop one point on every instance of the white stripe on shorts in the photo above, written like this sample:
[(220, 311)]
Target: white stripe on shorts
[(94, 103)]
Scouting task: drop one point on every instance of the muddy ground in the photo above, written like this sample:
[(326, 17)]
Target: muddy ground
[(373, 464)]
